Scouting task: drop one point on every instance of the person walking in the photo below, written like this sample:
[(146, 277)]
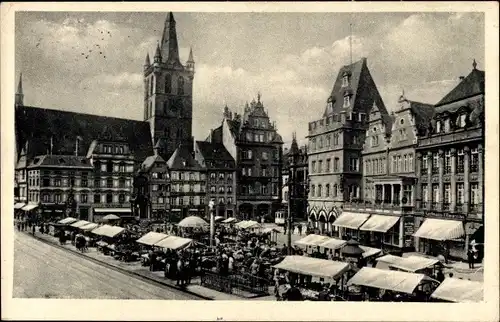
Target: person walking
[(33, 229), (470, 258), (300, 229)]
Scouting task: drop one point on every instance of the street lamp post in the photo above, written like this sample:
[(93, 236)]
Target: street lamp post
[(291, 186), (211, 204)]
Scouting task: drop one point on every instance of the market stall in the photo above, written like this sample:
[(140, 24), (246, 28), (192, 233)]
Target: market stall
[(148, 249), (304, 269), (459, 291), (230, 220), (174, 243), (412, 264), (67, 220), (312, 243), (417, 286), (249, 225), (79, 223)]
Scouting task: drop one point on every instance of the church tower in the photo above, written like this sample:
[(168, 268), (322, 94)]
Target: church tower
[(168, 98), (19, 93)]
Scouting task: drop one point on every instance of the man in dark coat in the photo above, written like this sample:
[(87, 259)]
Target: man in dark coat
[(470, 258)]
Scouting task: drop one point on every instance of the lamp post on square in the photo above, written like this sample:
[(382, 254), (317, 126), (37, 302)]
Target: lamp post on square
[(211, 205)]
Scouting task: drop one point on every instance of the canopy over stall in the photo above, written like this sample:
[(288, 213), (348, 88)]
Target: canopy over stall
[(67, 220), (192, 222), (369, 251), (89, 226), (110, 217), (389, 280), (151, 238), (313, 266), (248, 224), (108, 231), (19, 205), (408, 264), (312, 240), (351, 220), (218, 218), (80, 223), (457, 290), (333, 243), (174, 242), (29, 207), (379, 223), (270, 230), (229, 220), (440, 229)]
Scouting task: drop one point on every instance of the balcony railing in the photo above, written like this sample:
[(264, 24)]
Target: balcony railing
[(464, 208), (375, 204)]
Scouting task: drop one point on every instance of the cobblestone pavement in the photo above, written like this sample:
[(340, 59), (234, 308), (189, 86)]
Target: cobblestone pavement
[(44, 271)]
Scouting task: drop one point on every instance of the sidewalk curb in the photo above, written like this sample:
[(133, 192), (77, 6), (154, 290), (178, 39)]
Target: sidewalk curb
[(121, 270)]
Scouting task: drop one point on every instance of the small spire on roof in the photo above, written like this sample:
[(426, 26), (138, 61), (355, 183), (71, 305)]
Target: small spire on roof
[(190, 59), (148, 61), (474, 64), (258, 97), (157, 53)]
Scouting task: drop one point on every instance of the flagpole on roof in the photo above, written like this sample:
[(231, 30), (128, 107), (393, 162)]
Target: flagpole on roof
[(51, 144)]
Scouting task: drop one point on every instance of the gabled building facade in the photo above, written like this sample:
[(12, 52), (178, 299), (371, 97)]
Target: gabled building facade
[(450, 172), (336, 143), (220, 176), (389, 178), (253, 141)]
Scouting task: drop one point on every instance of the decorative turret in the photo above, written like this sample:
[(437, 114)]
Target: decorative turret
[(19, 93), (157, 54), (147, 63), (190, 61), (474, 64)]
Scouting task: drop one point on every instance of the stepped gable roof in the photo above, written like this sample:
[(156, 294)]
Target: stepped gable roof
[(212, 151), (471, 85), (39, 125), (182, 158), (60, 161)]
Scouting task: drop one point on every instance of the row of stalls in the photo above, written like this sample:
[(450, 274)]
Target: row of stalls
[(320, 279)]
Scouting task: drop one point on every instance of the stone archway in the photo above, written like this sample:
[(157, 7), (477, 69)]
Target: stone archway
[(312, 219), (332, 216), (322, 221)]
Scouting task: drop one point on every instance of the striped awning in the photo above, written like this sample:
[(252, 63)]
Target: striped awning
[(440, 229), (379, 223), (351, 220)]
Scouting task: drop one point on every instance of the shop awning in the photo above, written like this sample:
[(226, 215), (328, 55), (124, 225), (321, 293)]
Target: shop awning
[(89, 226), (351, 220), (80, 223), (313, 266), (379, 223), (270, 230), (29, 207), (312, 240), (67, 220), (333, 243), (113, 210), (459, 291), (19, 205), (440, 229), (174, 242), (369, 251), (388, 280), (151, 238), (408, 264)]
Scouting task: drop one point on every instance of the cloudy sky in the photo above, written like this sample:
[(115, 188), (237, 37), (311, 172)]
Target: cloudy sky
[(92, 62)]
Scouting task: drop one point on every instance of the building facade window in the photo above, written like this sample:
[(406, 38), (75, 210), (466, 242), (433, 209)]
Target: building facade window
[(435, 163), (353, 164), (446, 196), (460, 194), (447, 162), (121, 198), (327, 190), (313, 191), (474, 160), (425, 195), (319, 194), (460, 161), (435, 195), (474, 193), (97, 198)]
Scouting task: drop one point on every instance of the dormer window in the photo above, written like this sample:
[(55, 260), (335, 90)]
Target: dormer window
[(438, 127), (347, 101), (345, 80), (447, 125), (461, 120)]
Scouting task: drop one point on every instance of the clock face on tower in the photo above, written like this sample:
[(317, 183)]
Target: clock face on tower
[(173, 107)]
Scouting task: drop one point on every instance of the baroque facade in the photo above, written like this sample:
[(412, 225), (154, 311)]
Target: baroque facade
[(450, 172), (254, 143)]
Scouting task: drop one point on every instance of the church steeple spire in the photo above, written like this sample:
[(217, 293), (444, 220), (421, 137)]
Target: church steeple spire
[(19, 93), (147, 63), (169, 46)]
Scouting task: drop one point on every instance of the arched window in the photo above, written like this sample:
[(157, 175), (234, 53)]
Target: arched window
[(327, 191), (313, 190), (180, 86), (168, 84), (319, 191), (335, 190)]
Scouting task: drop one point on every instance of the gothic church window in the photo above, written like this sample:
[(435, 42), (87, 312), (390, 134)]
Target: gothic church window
[(168, 84), (180, 86)]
